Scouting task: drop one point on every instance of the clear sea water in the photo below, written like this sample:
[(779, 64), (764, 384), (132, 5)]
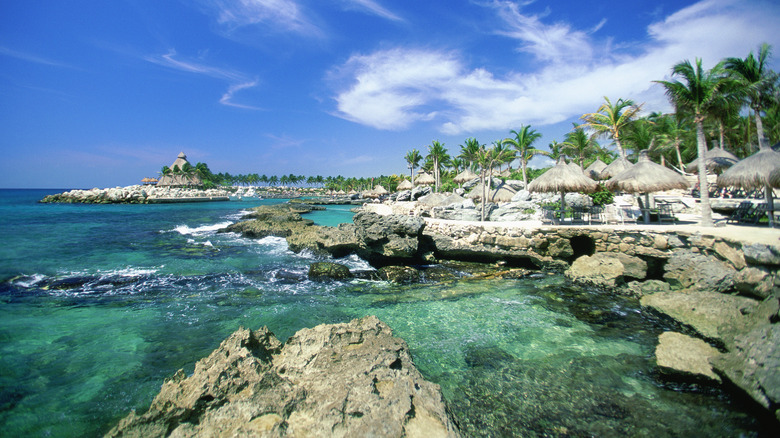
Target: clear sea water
[(100, 303)]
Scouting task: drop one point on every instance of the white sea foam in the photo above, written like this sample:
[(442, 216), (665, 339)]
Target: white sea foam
[(354, 262), (28, 281), (186, 230)]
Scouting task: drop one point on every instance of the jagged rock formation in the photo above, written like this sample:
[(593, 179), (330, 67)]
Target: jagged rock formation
[(352, 379), (136, 195)]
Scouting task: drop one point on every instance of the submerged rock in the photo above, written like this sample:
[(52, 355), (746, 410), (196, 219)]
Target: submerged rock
[(353, 379), (328, 271)]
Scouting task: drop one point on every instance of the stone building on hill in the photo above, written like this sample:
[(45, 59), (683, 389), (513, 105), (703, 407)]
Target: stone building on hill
[(180, 174)]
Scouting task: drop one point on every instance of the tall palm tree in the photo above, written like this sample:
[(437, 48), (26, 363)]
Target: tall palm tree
[(438, 156), (756, 82), (523, 142), (487, 159), (579, 144), (413, 158), (670, 129), (610, 119), (468, 152), (698, 95)]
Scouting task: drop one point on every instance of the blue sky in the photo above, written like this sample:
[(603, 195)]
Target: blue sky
[(104, 93)]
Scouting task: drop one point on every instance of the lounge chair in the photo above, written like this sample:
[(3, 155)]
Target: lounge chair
[(742, 211), (666, 213)]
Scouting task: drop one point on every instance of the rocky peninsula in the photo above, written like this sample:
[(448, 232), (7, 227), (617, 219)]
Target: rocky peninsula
[(722, 292), (137, 194)]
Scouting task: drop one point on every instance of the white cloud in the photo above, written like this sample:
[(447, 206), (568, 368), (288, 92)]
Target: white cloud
[(280, 15), (237, 80), (372, 7), (392, 89)]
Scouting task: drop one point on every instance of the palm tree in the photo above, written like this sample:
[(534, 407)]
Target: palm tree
[(698, 95), (437, 154), (610, 119), (670, 130), (413, 158), (523, 143), (487, 159), (579, 144), (756, 81), (469, 150)]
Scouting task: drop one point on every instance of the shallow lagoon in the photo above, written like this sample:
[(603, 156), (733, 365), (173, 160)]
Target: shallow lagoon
[(99, 304)]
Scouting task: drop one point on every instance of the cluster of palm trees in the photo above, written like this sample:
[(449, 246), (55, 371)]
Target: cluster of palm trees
[(731, 104)]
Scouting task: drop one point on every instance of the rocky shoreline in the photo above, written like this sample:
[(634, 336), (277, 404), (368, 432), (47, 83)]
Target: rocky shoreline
[(137, 195), (721, 293)]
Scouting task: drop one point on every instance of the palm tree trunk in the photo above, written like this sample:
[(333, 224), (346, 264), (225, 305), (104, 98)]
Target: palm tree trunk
[(620, 147), (704, 189), (679, 155), (759, 128), (482, 178), (525, 178)]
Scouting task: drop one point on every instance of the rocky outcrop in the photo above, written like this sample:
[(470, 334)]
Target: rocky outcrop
[(753, 364), (688, 269), (352, 379), (685, 357), (606, 269), (136, 195)]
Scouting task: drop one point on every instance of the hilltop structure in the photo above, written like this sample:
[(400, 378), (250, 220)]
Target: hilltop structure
[(180, 174)]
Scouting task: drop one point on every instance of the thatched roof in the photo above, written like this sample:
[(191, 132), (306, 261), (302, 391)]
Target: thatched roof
[(405, 185), (500, 193), (715, 160), (179, 180), (594, 170), (380, 190), (562, 178), (753, 172), (181, 160), (774, 178), (646, 177), (615, 167), (465, 176), (424, 179)]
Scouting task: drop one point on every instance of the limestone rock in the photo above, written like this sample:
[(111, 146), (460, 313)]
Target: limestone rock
[(759, 254), (686, 269), (328, 271), (713, 315), (753, 282), (352, 379), (641, 288), (681, 355), (606, 269), (733, 255), (399, 274), (754, 365), (389, 237)]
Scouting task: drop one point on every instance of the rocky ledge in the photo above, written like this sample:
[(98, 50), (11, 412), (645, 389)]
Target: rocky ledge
[(353, 379), (136, 195)]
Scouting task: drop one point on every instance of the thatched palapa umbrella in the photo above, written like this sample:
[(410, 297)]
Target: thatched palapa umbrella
[(405, 185), (645, 177), (754, 172), (500, 193), (465, 176), (594, 170), (716, 160), (562, 178), (774, 178), (424, 179), (615, 167)]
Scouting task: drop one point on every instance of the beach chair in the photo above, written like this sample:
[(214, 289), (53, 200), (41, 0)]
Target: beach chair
[(742, 210), (576, 215), (595, 214), (666, 213), (754, 215)]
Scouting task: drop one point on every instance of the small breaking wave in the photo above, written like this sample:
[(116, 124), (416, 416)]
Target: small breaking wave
[(202, 230)]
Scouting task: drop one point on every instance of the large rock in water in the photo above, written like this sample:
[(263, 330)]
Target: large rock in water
[(352, 379), (607, 269)]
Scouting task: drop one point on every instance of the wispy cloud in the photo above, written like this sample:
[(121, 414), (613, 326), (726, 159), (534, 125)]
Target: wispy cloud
[(372, 7), (393, 89), (238, 81), (279, 15), (32, 58), (555, 42)]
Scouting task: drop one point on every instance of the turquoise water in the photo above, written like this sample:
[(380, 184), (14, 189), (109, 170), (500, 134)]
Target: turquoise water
[(99, 304)]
